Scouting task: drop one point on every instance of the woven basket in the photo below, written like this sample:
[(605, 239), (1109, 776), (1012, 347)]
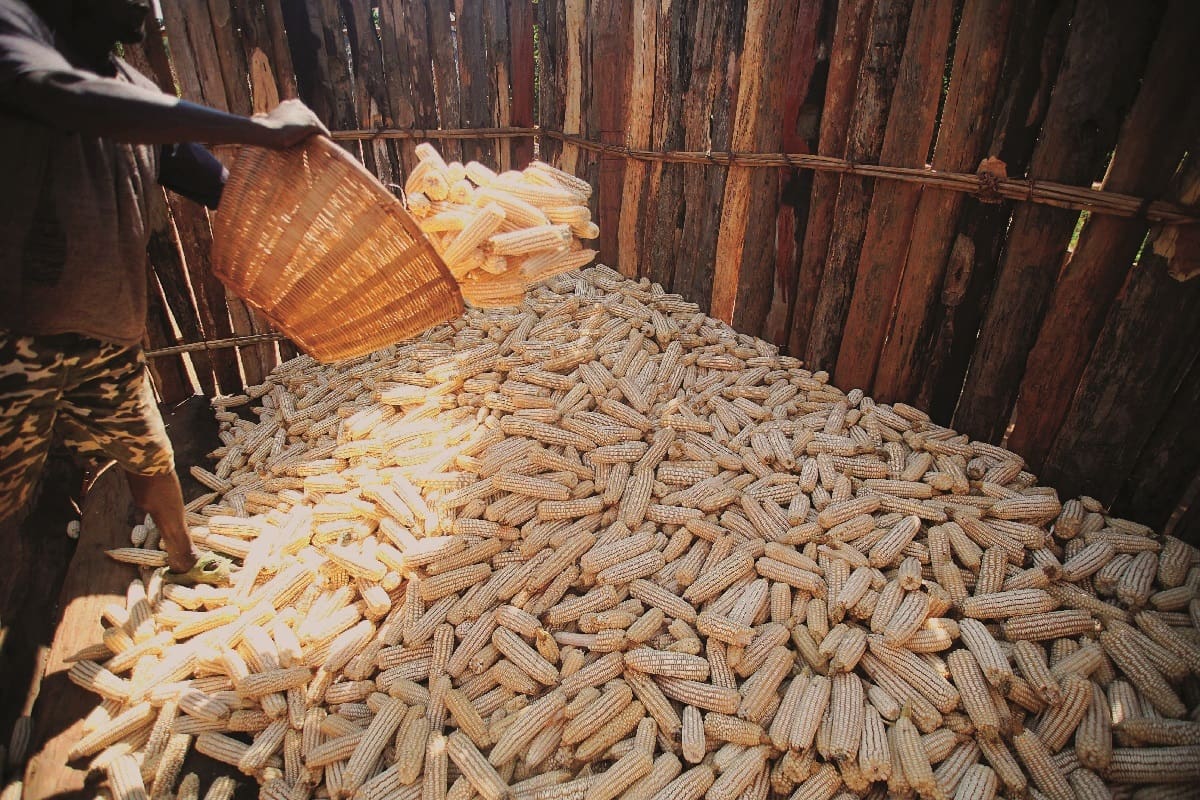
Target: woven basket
[(328, 254)]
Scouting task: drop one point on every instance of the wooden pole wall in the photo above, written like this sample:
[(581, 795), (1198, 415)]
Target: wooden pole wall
[(994, 316)]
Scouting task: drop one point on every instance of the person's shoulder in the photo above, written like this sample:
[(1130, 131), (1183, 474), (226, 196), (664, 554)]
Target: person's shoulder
[(18, 19)]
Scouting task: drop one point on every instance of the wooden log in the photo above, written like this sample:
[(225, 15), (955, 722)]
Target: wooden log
[(637, 135), (166, 261), (877, 78), (230, 56), (744, 267), (196, 61), (328, 85), (195, 241), (280, 52), (665, 184), (552, 75), (849, 38), (475, 99), (1143, 353), (1164, 120), (1036, 41), (405, 33), (1106, 50), (154, 48), (445, 68), (962, 137), (521, 73), (576, 90), (802, 100), (171, 380), (906, 143), (92, 582), (499, 72), (611, 33), (1167, 472), (709, 106), (189, 33), (372, 101)]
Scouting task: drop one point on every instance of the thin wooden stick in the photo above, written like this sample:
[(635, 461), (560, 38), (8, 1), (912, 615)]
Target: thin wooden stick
[(1079, 198), (215, 344)]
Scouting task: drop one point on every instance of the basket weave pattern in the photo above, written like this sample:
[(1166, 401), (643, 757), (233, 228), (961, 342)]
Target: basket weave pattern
[(330, 256)]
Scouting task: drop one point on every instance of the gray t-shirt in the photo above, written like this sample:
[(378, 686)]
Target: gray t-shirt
[(75, 218)]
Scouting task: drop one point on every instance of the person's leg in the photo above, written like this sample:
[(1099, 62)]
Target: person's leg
[(109, 410), (30, 381), (31, 378)]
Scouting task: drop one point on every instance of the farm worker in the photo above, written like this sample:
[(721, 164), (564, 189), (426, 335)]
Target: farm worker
[(84, 139)]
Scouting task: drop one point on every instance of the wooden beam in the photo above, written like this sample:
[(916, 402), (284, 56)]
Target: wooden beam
[(552, 72), (661, 219), (803, 95), (1169, 465)]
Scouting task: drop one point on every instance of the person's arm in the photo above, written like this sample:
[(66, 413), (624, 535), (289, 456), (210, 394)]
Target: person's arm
[(78, 101), (193, 172)]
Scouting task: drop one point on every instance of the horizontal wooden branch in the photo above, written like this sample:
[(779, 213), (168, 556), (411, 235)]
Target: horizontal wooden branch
[(437, 133), (215, 344), (985, 187)]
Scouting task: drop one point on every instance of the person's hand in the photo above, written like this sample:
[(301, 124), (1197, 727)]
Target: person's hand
[(291, 122)]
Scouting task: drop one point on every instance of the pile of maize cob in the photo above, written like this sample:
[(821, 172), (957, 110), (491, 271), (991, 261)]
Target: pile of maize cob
[(607, 547), (499, 234)]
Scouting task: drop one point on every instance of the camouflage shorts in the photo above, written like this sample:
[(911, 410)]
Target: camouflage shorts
[(96, 396)]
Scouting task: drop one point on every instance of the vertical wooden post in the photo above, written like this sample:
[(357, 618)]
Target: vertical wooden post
[(475, 99), (372, 101), (445, 68), (889, 222), (710, 101), (230, 57), (520, 31), (1164, 120), (802, 98), (661, 219), (552, 73), (637, 134), (167, 265), (1036, 41), (1142, 355), (170, 377), (611, 30), (978, 54), (1107, 48), (744, 267), (849, 38), (576, 40), (1168, 468), (876, 80)]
